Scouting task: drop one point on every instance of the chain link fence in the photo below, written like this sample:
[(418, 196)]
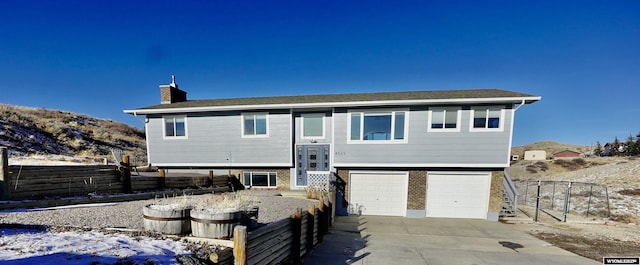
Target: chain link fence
[(561, 198)]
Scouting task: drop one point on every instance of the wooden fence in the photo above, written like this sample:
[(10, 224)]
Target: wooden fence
[(284, 241), (37, 182), (33, 182)]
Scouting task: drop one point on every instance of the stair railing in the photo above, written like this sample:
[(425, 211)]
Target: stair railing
[(510, 190)]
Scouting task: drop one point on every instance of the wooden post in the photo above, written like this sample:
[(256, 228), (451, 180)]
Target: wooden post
[(330, 217), (332, 202), (321, 220), (126, 174), (163, 178), (296, 226), (240, 245), (5, 179), (310, 225), (210, 179)]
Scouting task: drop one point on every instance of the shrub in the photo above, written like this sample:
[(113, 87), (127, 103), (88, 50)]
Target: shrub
[(630, 192), (624, 218)]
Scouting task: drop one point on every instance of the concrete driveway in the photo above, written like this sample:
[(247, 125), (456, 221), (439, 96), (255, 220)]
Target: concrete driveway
[(433, 241)]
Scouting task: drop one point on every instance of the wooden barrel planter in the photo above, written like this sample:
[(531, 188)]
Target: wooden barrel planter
[(217, 225), (166, 219)]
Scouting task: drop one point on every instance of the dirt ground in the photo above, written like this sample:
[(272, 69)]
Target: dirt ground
[(592, 240)]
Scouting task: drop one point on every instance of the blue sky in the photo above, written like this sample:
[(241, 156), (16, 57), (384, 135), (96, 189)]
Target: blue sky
[(101, 57)]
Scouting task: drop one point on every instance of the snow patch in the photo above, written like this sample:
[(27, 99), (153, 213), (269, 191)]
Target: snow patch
[(22, 246)]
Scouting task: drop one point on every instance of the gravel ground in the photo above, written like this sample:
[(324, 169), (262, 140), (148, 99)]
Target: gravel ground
[(129, 214)]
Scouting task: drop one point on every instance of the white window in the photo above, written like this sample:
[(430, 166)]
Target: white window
[(444, 119), (487, 119), (175, 127), (312, 126), (372, 126), (260, 179), (255, 124)]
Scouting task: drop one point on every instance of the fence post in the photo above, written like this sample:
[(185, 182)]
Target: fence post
[(296, 225), (321, 220), (553, 194), (5, 179), (310, 225), (330, 217), (608, 208), (163, 178), (535, 219), (240, 245), (567, 200), (210, 178), (526, 191), (126, 174), (332, 201), (589, 202)]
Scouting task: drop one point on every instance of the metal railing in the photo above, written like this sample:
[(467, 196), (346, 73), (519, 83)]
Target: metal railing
[(560, 198), (510, 191)]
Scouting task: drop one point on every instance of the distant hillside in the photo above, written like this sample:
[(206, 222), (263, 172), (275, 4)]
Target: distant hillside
[(550, 147), (37, 131)]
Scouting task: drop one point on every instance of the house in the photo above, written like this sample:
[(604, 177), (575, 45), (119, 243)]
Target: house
[(535, 155), (566, 154), (610, 149), (414, 154)]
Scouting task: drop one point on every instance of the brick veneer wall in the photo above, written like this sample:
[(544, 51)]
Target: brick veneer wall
[(344, 174), (417, 192), (169, 94)]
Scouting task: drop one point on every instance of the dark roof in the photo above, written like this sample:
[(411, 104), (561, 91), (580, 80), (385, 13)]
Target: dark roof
[(354, 98)]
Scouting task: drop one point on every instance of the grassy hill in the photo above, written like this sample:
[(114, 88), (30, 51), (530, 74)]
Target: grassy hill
[(37, 131)]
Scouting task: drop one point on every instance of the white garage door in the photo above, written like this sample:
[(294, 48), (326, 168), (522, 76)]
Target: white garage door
[(379, 193), (458, 194)]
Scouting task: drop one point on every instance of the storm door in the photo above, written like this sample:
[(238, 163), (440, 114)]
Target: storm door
[(310, 158)]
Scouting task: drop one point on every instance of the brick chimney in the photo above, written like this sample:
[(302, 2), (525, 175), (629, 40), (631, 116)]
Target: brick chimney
[(171, 93)]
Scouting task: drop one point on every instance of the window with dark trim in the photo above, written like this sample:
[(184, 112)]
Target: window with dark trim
[(255, 124), (175, 127), (377, 126), (487, 118), (260, 179), (444, 119)]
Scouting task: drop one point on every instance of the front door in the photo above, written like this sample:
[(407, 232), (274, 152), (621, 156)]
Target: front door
[(310, 158)]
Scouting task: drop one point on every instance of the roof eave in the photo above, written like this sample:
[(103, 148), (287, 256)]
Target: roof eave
[(515, 100)]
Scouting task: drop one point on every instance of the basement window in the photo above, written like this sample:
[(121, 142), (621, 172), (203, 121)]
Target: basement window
[(260, 179)]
